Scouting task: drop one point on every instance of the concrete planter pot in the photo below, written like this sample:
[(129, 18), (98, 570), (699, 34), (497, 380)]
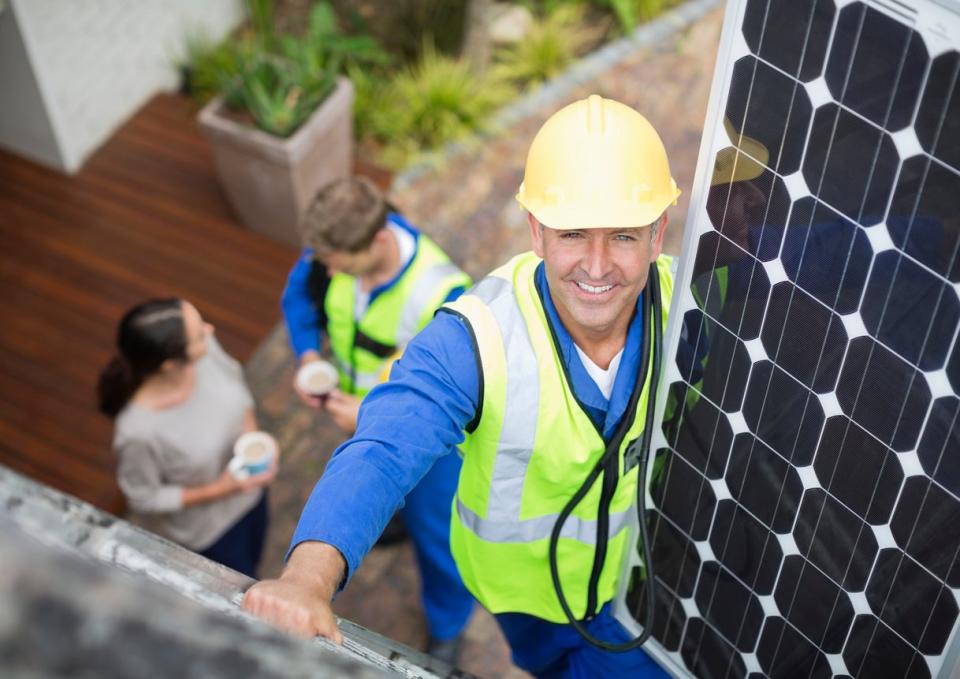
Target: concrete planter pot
[(270, 180)]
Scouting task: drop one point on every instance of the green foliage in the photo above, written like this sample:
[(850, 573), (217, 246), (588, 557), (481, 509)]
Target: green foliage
[(629, 13), (205, 66), (648, 9), (261, 18), (626, 13), (553, 42), (279, 91), (278, 80), (370, 99), (438, 100), (547, 7), (400, 25)]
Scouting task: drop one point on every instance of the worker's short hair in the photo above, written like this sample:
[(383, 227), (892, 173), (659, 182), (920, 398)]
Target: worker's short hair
[(344, 216)]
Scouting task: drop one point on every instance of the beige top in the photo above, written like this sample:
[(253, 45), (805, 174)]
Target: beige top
[(159, 452)]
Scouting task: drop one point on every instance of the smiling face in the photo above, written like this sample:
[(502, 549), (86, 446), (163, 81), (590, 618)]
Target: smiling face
[(197, 331), (596, 275)]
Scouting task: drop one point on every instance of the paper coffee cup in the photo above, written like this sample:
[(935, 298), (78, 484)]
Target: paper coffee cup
[(253, 454), (317, 378)]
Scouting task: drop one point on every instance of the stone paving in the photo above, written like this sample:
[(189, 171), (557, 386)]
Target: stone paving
[(467, 205)]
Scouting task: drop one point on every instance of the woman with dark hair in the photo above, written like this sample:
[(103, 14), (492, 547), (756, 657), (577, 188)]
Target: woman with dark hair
[(179, 403)]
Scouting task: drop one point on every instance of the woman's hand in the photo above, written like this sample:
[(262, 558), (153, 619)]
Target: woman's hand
[(234, 485), (227, 484)]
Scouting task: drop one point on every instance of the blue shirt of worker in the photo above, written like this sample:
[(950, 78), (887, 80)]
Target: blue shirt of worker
[(436, 385), (426, 511)]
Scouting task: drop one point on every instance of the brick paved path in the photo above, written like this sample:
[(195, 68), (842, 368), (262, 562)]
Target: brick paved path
[(467, 206)]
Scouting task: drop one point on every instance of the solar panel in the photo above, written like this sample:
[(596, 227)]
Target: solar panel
[(804, 498)]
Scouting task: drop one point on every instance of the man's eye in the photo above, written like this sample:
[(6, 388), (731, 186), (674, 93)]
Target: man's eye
[(571, 235), (625, 237)]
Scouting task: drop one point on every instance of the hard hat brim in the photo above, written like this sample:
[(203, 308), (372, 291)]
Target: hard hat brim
[(626, 215)]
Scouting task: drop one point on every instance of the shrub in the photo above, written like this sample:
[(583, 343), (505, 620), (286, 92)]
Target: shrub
[(437, 100), (629, 13), (553, 42)]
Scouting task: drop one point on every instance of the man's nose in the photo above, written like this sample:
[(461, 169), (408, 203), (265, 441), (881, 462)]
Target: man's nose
[(597, 261)]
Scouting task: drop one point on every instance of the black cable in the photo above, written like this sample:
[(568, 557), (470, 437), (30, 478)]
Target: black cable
[(652, 312)]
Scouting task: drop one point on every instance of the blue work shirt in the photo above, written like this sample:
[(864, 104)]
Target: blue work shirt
[(419, 416), (305, 320)]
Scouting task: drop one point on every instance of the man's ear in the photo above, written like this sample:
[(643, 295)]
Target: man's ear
[(380, 240), (656, 247), (381, 235), (536, 235)]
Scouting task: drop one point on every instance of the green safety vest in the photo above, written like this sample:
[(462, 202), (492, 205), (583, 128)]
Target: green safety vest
[(528, 454), (362, 348)]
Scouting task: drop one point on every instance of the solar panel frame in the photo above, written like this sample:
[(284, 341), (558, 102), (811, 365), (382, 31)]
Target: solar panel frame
[(933, 20)]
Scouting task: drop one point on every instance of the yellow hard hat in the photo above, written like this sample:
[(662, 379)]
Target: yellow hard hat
[(597, 163), (739, 163)]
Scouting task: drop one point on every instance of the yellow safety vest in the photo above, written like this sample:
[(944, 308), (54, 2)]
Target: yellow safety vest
[(362, 348), (529, 454)]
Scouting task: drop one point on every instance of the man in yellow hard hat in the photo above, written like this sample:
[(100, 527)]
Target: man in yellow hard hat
[(541, 376)]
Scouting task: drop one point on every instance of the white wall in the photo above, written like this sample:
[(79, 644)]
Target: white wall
[(97, 61), (25, 127)]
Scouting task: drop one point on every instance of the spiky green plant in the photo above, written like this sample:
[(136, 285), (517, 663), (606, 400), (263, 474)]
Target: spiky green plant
[(371, 98), (207, 64), (629, 13), (279, 91), (648, 9), (261, 18), (279, 80), (437, 100), (552, 44)]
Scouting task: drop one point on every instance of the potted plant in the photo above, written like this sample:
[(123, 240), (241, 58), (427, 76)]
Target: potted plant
[(281, 126)]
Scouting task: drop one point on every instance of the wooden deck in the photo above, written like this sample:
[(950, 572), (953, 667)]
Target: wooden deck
[(144, 218)]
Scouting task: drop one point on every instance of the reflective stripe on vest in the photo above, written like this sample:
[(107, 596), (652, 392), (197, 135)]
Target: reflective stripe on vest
[(539, 528), (529, 453), (392, 319), (503, 522), (422, 301)]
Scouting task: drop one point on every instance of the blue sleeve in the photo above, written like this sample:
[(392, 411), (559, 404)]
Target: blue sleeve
[(300, 313), (454, 293), (405, 425)]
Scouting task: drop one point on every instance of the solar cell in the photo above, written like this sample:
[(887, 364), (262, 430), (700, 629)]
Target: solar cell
[(805, 492)]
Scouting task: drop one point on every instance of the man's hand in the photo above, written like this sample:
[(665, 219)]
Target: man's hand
[(343, 410), (309, 399), (299, 602), (293, 607)]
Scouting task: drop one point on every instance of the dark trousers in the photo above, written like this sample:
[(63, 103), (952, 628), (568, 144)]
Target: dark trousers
[(551, 651), (241, 546), (426, 513)]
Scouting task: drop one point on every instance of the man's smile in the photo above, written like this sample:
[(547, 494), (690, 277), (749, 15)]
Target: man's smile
[(593, 289)]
